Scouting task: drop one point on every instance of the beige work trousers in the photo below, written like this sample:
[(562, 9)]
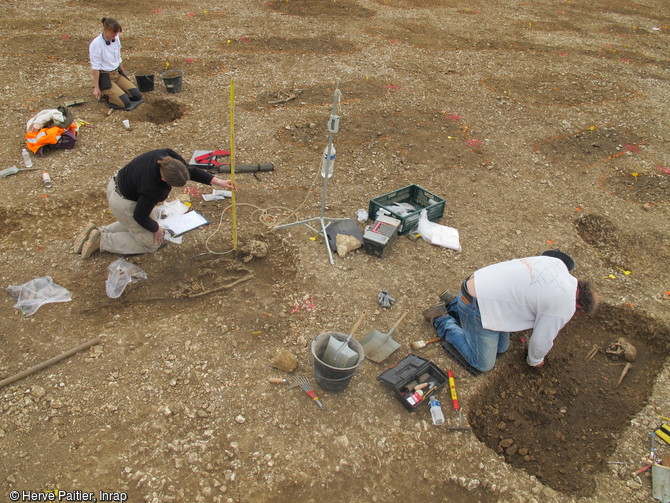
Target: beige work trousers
[(120, 85), (125, 236)]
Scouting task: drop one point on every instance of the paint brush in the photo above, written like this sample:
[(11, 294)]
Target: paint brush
[(423, 344)]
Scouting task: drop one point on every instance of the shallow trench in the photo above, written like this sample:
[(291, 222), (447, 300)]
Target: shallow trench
[(562, 422)]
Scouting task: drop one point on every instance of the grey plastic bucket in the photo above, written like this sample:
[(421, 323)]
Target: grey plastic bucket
[(145, 83), (172, 80), (331, 378), (660, 476)]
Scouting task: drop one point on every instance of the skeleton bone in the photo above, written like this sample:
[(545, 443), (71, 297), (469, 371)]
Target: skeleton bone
[(622, 347), (625, 370), (592, 353)]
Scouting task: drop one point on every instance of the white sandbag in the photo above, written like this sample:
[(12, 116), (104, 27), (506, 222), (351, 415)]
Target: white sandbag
[(438, 234)]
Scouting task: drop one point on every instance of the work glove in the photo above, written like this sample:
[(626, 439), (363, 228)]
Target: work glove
[(385, 300)]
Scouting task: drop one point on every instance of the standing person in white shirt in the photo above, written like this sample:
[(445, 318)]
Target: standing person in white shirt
[(109, 78), (537, 293)]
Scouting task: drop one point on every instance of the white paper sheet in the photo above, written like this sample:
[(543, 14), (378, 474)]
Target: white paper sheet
[(180, 224)]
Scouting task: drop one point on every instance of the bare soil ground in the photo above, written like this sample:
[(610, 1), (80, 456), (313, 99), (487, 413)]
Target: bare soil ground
[(543, 124)]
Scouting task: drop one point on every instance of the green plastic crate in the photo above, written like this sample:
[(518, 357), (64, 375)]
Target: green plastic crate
[(414, 195)]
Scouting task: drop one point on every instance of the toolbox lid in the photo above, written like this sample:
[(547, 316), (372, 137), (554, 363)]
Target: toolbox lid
[(376, 238), (403, 371)]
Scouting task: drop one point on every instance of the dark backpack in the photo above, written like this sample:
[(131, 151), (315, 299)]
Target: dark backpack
[(68, 139)]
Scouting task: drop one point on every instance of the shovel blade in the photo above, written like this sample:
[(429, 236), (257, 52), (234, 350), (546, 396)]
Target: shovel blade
[(373, 341), (383, 352), (338, 353), (378, 346)]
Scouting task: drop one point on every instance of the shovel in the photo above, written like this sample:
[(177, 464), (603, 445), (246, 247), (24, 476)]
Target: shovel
[(378, 346), (338, 353)]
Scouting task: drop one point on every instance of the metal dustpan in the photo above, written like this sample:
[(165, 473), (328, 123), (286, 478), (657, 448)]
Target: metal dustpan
[(378, 346), (338, 353)]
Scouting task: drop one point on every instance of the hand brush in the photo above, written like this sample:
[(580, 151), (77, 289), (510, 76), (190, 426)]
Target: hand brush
[(423, 344)]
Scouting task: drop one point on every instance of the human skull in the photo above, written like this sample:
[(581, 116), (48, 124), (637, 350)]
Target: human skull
[(622, 347)]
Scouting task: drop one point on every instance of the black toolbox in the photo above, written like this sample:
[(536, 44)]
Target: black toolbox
[(379, 235), (408, 371)]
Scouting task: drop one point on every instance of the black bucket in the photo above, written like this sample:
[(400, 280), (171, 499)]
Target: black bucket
[(145, 83), (172, 80), (331, 378)]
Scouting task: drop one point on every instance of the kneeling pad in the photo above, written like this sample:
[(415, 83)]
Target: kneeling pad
[(133, 105), (453, 352)]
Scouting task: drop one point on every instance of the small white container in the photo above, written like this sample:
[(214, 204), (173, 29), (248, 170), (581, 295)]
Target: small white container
[(126, 123), (46, 180), (328, 162), (26, 158)]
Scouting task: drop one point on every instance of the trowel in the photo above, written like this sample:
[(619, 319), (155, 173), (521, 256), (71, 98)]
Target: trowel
[(12, 170)]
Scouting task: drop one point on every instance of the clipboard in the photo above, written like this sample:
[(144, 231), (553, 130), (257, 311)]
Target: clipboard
[(179, 225)]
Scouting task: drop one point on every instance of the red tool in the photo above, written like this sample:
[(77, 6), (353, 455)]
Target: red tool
[(307, 387), (454, 401), (210, 158), (642, 470), (209, 161)]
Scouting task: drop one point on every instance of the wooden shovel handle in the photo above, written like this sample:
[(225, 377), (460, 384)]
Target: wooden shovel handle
[(399, 321), (358, 322), (49, 362)]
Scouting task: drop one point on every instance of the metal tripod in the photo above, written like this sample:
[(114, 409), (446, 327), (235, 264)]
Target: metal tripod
[(333, 127)]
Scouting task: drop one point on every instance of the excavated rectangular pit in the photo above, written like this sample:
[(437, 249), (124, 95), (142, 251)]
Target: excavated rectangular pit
[(560, 423)]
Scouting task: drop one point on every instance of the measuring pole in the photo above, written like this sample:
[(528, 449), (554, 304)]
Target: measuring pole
[(232, 159)]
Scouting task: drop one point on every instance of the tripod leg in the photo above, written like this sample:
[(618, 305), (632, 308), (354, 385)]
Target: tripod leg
[(325, 238)]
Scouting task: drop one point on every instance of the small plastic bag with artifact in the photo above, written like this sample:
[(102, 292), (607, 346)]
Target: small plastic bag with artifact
[(121, 274)]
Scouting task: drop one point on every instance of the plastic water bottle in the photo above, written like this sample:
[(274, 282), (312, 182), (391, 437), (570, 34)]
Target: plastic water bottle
[(328, 163), (26, 158), (436, 411)]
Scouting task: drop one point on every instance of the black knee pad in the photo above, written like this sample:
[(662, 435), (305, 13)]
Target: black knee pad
[(135, 94), (125, 99)]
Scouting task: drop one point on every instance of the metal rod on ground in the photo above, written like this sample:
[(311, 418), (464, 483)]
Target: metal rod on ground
[(232, 161), (49, 362)]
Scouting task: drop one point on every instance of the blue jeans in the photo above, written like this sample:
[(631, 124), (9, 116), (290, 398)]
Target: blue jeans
[(462, 327)]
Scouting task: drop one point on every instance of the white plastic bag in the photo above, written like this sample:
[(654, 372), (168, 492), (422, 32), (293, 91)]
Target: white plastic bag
[(402, 209), (32, 295), (438, 234), (122, 273)]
